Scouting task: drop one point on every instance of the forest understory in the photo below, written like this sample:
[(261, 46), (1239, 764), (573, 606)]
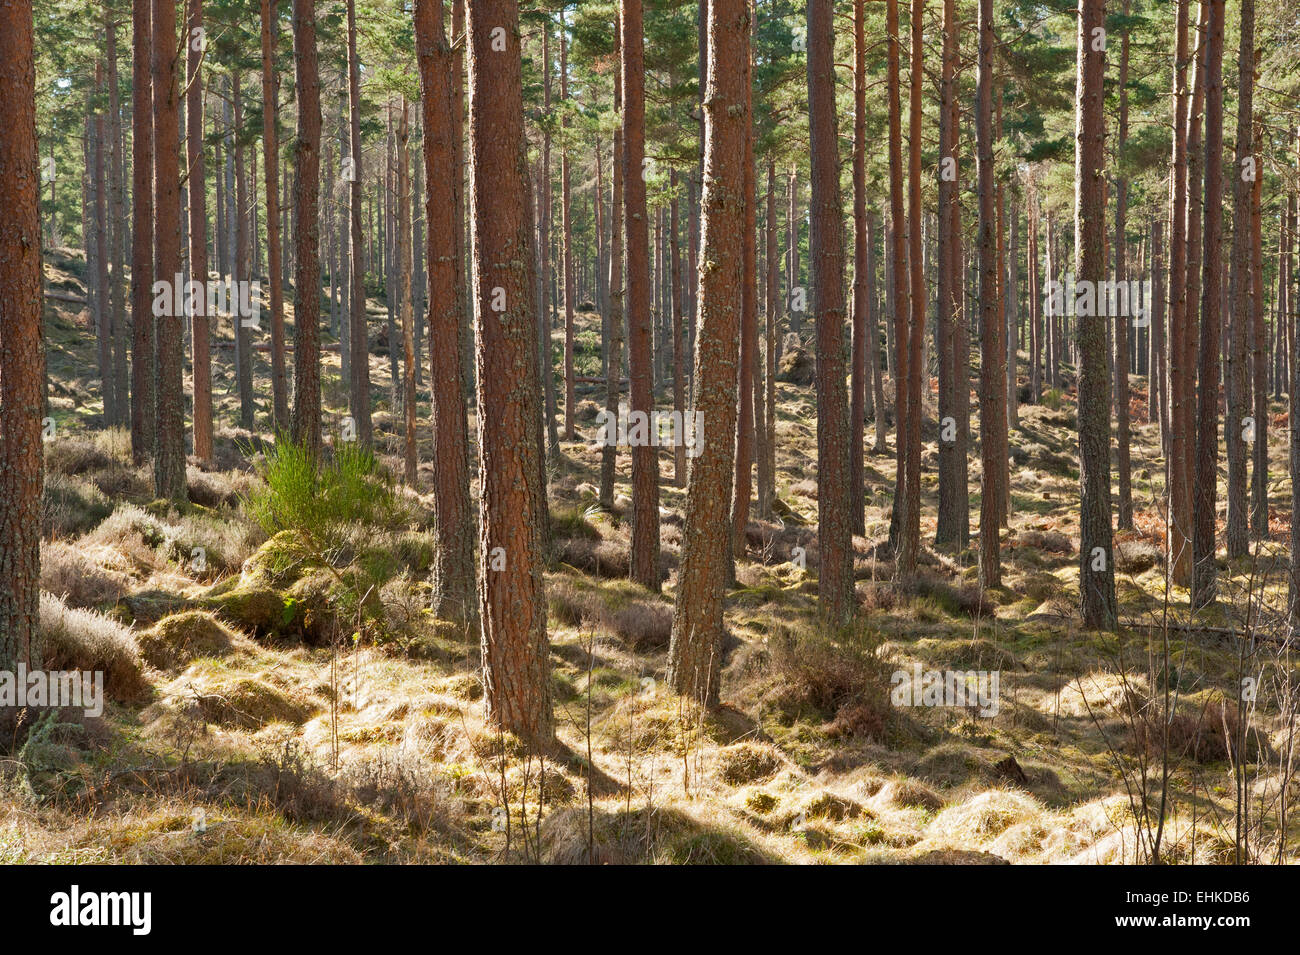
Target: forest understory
[(291, 698)]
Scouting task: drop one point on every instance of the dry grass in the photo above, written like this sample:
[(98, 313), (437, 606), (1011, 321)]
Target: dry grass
[(83, 640)]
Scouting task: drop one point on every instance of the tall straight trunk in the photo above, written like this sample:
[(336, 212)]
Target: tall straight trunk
[(388, 221), (1259, 471), (990, 572), (835, 602), (772, 317), (1292, 345), (1012, 306), (1000, 431), (566, 214), (895, 269), (1051, 324), (879, 425), (453, 559), (1035, 304), (1207, 400), (271, 165), (950, 531), (858, 374), (910, 521), (1096, 551), (679, 363), (103, 314), (117, 219), (169, 348), (1237, 372), (1122, 462), (359, 383), (792, 252), (200, 321), (237, 226), (22, 346), (512, 599), (609, 453), (1192, 328), (1283, 310), (544, 311), (142, 234), (695, 651), (404, 266), (1158, 367), (645, 458), (464, 232), (420, 273), (745, 421), (602, 276), (1180, 508), (306, 297), (343, 224)]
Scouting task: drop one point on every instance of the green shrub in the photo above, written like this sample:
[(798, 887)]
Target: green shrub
[(320, 502)]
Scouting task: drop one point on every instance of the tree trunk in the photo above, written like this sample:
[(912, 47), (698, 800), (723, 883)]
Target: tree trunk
[(609, 453), (271, 164), (645, 457), (359, 383), (990, 326), (679, 364), (1240, 426), (1122, 463), (746, 420), (117, 216), (896, 269), (453, 559), (951, 530), (1180, 509), (169, 401), (200, 321), (1259, 472), (306, 298), (22, 346), (566, 208), (858, 373), (142, 234), (835, 601), (411, 459), (1207, 403), (695, 652), (544, 312), (879, 420), (103, 315), (516, 657), (1096, 558), (237, 223)]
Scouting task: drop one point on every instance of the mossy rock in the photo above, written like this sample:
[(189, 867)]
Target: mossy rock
[(147, 607), (175, 641), (326, 602), (276, 563), (828, 805), (747, 763), (463, 686), (250, 703), (256, 608), (761, 802)]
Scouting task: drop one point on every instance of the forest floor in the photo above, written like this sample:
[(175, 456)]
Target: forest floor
[(245, 723)]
